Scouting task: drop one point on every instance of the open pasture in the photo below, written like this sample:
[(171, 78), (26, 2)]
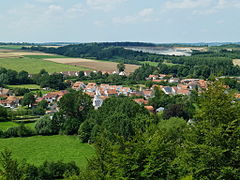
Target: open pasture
[(8, 124), (33, 62), (93, 64), (38, 149)]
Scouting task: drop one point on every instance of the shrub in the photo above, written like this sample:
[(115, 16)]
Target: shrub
[(57, 170), (44, 126), (19, 131)]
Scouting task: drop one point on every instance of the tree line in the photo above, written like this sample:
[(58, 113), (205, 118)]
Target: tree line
[(100, 51)]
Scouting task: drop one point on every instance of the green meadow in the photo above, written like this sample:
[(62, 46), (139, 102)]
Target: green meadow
[(156, 63), (27, 86), (5, 125), (11, 47), (150, 63), (33, 65), (38, 149)]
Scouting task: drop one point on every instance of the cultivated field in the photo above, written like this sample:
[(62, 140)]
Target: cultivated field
[(19, 53), (37, 149), (236, 62), (33, 62), (93, 64)]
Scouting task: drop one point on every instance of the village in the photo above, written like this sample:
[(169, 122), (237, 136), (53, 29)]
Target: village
[(100, 92)]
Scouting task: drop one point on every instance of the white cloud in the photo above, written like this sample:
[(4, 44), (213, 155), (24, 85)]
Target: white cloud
[(144, 15), (99, 23), (186, 4), (105, 5), (76, 10), (45, 1), (53, 10), (220, 21), (146, 12), (217, 6)]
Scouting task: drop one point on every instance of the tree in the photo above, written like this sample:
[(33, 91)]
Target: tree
[(175, 110), (42, 72), (43, 104), (121, 67), (3, 114), (118, 116), (81, 74), (28, 99), (74, 109), (75, 105), (21, 91), (11, 168), (12, 76), (4, 78), (217, 105), (22, 77), (44, 126), (160, 99)]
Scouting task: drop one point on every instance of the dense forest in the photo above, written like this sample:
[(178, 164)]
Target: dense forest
[(100, 52)]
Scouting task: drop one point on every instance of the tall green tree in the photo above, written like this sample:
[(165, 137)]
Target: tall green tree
[(121, 67), (218, 105), (11, 169), (28, 99)]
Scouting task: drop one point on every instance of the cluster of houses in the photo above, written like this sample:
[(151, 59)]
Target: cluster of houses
[(183, 87), (103, 91), (87, 73), (7, 98), (52, 98)]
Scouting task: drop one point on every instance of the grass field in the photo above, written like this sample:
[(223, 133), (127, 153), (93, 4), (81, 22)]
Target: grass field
[(10, 47), (94, 64), (27, 86), (156, 63), (5, 125), (33, 62), (150, 63), (44, 56), (34, 66), (37, 149)]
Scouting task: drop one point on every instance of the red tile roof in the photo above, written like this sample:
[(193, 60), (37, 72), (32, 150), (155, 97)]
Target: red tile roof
[(149, 108), (141, 101)]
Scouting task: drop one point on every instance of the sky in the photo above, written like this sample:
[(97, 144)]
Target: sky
[(158, 21)]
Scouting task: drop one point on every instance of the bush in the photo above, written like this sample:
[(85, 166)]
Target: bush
[(20, 91), (38, 111), (70, 126), (3, 114), (19, 131), (14, 170), (57, 170), (11, 132), (1, 133), (44, 126)]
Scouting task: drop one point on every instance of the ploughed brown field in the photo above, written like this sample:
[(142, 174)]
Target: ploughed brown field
[(236, 62), (8, 53), (93, 64)]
